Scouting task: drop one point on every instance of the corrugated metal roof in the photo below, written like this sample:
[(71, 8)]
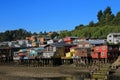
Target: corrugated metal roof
[(61, 44), (38, 48), (96, 41)]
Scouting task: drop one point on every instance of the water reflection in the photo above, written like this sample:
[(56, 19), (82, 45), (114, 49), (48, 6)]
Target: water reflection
[(67, 78), (58, 78)]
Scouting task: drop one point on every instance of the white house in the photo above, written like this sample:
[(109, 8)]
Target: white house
[(113, 38), (49, 41)]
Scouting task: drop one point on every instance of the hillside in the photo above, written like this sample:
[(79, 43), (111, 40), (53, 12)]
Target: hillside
[(95, 32)]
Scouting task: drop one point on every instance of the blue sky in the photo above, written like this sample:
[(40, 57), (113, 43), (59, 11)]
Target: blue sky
[(51, 15)]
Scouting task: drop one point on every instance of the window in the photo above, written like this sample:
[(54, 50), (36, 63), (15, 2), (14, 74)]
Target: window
[(103, 47), (109, 40), (50, 48), (80, 45), (102, 53), (109, 35), (115, 35), (97, 48), (87, 45), (83, 50), (117, 40)]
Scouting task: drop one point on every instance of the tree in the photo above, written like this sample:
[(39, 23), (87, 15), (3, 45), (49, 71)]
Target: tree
[(11, 35), (105, 17), (64, 34), (91, 24), (35, 33), (40, 34), (100, 15), (79, 27), (107, 11), (116, 20), (108, 16)]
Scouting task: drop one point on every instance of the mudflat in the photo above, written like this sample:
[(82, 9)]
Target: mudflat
[(13, 72)]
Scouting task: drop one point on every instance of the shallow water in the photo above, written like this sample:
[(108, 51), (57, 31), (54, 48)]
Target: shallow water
[(74, 77), (59, 78), (113, 77)]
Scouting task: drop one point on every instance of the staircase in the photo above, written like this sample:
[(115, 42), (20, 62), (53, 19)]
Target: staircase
[(102, 73)]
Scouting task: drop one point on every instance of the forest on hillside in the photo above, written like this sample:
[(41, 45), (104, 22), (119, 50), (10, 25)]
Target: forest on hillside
[(11, 35), (107, 23)]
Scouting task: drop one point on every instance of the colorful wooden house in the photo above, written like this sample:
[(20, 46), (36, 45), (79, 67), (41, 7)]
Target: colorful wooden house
[(34, 40), (100, 51), (30, 53), (83, 49), (53, 50), (69, 40), (57, 49)]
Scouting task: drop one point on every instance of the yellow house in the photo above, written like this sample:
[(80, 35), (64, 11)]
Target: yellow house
[(68, 55), (71, 53)]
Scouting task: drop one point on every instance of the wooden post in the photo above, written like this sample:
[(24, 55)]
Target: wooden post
[(99, 58)]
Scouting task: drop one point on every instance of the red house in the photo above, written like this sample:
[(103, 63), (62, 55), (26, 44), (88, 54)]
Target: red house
[(100, 52)]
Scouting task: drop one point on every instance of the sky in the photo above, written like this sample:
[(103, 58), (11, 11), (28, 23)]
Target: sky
[(51, 15)]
